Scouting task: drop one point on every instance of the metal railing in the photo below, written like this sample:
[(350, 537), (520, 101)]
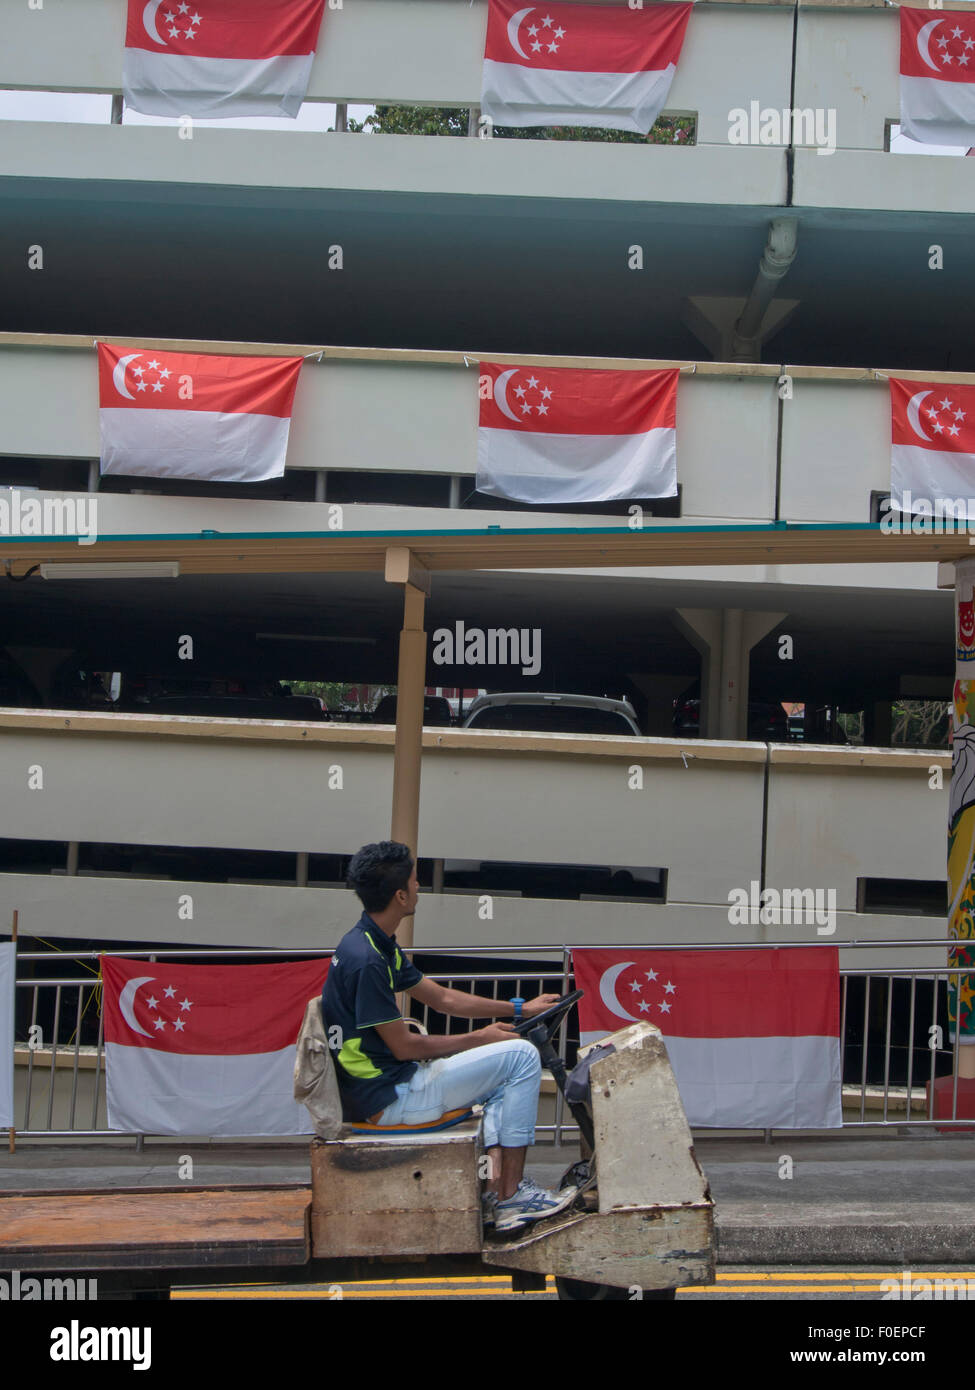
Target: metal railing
[(882, 1034)]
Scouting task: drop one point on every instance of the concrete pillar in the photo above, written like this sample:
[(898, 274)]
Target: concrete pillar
[(660, 692), (878, 723), (702, 628), (733, 709), (725, 638), (402, 568)]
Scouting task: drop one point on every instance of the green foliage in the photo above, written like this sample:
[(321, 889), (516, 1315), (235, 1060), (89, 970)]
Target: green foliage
[(413, 120), (852, 725), (913, 723), (342, 695), (920, 723), (436, 120)]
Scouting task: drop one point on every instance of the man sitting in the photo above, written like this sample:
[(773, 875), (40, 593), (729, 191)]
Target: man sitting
[(390, 1075)]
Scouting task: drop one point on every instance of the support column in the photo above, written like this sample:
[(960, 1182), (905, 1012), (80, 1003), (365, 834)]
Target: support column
[(733, 710), (660, 691), (878, 723), (725, 638), (702, 628), (403, 568)]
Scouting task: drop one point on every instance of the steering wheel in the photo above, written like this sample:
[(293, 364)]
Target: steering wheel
[(551, 1018)]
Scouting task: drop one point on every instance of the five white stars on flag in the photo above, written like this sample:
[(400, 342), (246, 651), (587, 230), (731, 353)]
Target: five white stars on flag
[(172, 20), (522, 393), (937, 425), (534, 31), (154, 366), (663, 1005), (178, 1023), (962, 58)]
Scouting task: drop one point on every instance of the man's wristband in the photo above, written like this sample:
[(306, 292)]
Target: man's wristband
[(519, 1004)]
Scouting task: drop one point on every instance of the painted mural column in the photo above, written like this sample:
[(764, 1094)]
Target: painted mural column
[(961, 849)]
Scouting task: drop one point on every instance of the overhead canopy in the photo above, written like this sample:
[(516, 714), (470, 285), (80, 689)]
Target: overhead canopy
[(495, 549)]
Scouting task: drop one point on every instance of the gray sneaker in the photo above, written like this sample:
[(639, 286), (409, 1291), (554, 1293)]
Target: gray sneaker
[(531, 1203), (489, 1205)]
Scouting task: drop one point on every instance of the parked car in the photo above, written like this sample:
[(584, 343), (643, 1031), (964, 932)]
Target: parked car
[(436, 711), (538, 712), (767, 719)]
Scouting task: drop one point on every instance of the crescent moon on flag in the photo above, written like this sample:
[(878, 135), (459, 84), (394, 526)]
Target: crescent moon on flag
[(149, 22), (607, 991), (514, 24), (118, 375), (126, 1000), (913, 413), (924, 33), (500, 393)]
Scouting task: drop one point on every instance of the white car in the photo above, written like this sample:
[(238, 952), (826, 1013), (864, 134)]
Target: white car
[(538, 712)]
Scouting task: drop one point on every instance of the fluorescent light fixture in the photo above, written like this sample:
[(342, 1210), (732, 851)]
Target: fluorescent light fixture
[(124, 569), (313, 637)]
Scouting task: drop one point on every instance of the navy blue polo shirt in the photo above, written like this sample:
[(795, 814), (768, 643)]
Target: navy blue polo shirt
[(366, 973)]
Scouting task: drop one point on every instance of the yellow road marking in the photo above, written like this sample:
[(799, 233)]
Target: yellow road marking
[(459, 1286)]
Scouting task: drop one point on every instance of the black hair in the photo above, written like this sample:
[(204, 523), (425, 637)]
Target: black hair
[(377, 872)]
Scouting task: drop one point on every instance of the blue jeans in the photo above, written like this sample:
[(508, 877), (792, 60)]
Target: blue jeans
[(504, 1077)]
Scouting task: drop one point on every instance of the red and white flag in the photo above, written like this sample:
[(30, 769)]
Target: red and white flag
[(752, 1036), (938, 76), (560, 434), (580, 65), (190, 415), (205, 1049), (932, 455), (214, 58)]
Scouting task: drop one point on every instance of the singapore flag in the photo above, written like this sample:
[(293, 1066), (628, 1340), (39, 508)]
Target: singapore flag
[(932, 456), (580, 65), (752, 1035), (562, 434), (195, 415), (937, 73), (215, 58), (205, 1049)]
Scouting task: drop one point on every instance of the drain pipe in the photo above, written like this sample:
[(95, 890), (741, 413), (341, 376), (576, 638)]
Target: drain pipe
[(779, 253)]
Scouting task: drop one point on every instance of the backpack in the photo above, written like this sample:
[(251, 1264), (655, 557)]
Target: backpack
[(316, 1084)]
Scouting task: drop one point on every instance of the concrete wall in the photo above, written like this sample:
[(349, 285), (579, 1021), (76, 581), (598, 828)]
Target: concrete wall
[(835, 449), (484, 797), (844, 61), (426, 52), (417, 413), (420, 416), (848, 59)]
